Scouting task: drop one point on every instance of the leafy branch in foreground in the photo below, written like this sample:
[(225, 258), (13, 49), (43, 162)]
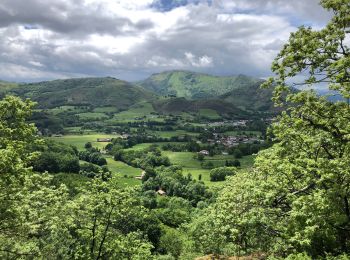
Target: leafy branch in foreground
[(296, 199), (39, 221)]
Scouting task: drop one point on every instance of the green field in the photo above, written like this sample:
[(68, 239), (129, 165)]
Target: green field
[(126, 174), (209, 114), (92, 116), (193, 166), (80, 140), (61, 109), (105, 109), (140, 110), (139, 147)]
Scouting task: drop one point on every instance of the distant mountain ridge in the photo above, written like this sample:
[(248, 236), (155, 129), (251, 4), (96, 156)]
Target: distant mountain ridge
[(95, 92), (169, 92), (193, 85)]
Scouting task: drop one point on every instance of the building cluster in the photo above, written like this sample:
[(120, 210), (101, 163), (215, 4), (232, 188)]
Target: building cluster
[(232, 123), (230, 141)]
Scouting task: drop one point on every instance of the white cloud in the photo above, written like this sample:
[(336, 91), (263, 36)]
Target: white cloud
[(128, 39), (201, 62)]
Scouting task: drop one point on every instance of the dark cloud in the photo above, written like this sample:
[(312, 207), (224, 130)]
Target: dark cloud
[(67, 17)]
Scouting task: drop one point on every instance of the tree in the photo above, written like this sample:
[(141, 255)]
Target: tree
[(297, 197), (200, 157), (171, 242), (207, 165), (88, 145), (219, 174), (105, 226), (29, 209), (235, 163), (40, 221)]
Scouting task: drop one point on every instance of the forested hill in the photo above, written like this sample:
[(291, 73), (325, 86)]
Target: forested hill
[(193, 85), (94, 92), (184, 90), (251, 97), (6, 86)]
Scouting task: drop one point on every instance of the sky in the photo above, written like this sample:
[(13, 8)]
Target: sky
[(132, 39)]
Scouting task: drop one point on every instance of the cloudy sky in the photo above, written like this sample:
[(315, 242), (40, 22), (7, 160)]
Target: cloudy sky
[(131, 39)]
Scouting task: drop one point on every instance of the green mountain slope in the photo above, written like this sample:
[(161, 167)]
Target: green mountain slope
[(6, 87), (194, 85), (95, 92), (178, 105), (250, 98)]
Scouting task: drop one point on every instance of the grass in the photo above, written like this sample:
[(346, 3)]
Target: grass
[(185, 159), (61, 109), (126, 174), (105, 110), (139, 147), (190, 165), (136, 111), (193, 166), (209, 113), (92, 116), (72, 129), (80, 140)]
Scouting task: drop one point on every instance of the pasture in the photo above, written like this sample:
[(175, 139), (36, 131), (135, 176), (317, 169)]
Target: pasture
[(125, 173), (193, 166), (80, 140)]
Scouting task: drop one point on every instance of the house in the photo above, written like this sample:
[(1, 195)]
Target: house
[(161, 192), (104, 140), (204, 152)]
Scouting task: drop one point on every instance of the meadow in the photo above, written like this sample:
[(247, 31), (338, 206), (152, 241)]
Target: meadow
[(80, 140)]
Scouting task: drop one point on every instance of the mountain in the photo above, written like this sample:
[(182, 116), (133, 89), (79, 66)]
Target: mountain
[(237, 95), (193, 85), (95, 92), (6, 86), (250, 97), (178, 105), (331, 95)]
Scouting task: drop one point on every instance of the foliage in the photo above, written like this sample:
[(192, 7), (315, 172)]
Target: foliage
[(171, 180), (41, 221), (92, 155), (56, 157), (142, 159), (220, 174), (172, 242), (296, 200)]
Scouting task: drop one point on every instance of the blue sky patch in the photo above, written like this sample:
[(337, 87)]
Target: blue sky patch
[(168, 5)]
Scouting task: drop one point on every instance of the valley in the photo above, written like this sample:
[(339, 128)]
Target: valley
[(195, 132), (175, 130)]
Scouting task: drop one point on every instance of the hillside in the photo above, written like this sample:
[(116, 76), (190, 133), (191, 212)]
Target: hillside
[(94, 92), (250, 98), (178, 105), (6, 86), (194, 85)]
